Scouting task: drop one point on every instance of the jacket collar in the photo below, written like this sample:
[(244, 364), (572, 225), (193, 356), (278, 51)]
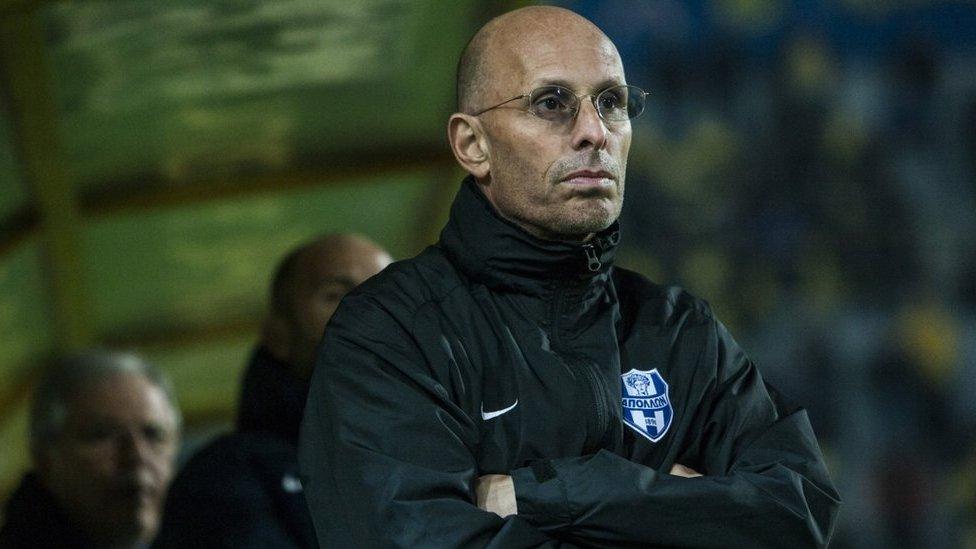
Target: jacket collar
[(272, 397), (34, 518), (498, 253)]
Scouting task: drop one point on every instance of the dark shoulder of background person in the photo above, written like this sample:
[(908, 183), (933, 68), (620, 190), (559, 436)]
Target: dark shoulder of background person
[(242, 490), (33, 519)]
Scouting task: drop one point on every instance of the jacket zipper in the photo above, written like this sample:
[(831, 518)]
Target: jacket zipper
[(592, 259), (593, 262), (589, 379), (599, 405)]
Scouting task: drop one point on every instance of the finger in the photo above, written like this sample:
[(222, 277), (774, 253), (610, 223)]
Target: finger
[(680, 470)]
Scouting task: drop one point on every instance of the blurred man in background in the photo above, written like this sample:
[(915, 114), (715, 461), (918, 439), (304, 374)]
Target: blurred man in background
[(243, 489), (104, 429)]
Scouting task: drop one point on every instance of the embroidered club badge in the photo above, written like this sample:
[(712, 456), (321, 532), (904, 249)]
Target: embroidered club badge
[(646, 407)]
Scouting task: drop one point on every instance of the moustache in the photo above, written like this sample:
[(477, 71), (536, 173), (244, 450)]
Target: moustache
[(596, 161)]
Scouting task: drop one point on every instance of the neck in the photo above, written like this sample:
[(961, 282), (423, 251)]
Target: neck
[(539, 232)]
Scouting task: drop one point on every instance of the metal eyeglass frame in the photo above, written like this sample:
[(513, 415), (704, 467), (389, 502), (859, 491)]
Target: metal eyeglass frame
[(594, 98)]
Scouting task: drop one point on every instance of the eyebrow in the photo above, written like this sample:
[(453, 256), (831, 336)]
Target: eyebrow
[(608, 83), (341, 280)]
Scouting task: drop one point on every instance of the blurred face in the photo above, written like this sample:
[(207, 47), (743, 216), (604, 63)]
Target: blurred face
[(324, 276), (113, 462), (558, 180)]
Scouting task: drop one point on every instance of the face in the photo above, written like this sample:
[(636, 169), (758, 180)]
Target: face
[(323, 278), (561, 181), (113, 462)]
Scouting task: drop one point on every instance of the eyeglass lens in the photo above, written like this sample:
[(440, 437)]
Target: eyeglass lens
[(614, 104)]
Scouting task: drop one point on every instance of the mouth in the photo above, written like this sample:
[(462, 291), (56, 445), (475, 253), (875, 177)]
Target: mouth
[(134, 491), (589, 179)]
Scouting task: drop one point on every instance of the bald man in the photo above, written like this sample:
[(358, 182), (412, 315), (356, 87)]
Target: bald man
[(243, 490), (510, 387)]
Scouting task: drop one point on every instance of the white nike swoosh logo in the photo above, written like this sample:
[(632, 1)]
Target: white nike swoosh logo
[(291, 484), (489, 415)]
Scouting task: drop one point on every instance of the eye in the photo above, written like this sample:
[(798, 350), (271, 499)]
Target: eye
[(96, 433), (553, 102), (154, 433), (612, 103), (332, 291)]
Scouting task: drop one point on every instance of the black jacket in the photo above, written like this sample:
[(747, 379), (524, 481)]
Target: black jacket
[(496, 352), (243, 489), (33, 519)]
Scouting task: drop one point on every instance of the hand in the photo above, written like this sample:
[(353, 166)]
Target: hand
[(680, 470), (496, 494)]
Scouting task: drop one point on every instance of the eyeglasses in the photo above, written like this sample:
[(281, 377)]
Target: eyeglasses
[(559, 104)]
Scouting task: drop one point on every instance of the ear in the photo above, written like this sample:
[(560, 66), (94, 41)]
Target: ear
[(276, 336), (469, 144)]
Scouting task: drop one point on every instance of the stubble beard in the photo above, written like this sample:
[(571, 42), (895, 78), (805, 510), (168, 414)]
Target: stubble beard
[(549, 213), (577, 221), (587, 212)]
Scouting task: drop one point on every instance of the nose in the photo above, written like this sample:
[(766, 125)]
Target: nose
[(589, 130), (133, 448)]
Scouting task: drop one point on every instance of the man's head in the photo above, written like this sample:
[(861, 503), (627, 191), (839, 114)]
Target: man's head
[(557, 180), (307, 287), (104, 430)]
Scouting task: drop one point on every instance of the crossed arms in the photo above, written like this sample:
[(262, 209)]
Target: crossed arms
[(496, 493), (387, 461)]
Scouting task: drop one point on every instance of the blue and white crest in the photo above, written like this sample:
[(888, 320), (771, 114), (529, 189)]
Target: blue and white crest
[(646, 407)]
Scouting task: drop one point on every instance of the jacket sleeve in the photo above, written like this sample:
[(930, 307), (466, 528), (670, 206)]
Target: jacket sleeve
[(386, 456), (765, 484)]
